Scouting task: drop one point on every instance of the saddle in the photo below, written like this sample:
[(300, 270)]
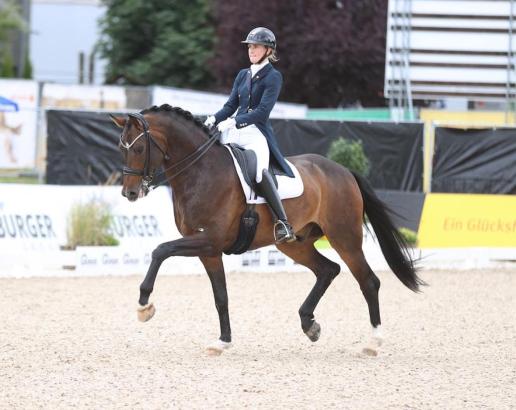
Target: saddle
[(249, 219), (246, 160)]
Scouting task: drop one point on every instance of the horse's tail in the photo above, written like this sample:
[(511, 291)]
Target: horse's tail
[(393, 245)]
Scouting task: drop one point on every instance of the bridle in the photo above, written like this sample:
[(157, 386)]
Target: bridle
[(149, 175), (146, 174)]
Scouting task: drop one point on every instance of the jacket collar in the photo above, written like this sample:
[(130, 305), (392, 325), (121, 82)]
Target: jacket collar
[(261, 73), (257, 67)]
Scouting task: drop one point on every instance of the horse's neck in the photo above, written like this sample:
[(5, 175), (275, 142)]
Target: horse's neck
[(210, 170), (183, 139), (203, 189)]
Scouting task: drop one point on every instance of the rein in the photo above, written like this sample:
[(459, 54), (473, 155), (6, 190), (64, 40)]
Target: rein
[(185, 163)]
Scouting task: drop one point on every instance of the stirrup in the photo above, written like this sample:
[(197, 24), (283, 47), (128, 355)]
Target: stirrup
[(288, 235)]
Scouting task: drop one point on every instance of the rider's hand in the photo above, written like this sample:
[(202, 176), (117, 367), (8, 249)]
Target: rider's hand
[(226, 124), (210, 121)]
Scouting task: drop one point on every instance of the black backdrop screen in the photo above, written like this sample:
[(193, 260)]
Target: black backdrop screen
[(474, 161), (82, 147)]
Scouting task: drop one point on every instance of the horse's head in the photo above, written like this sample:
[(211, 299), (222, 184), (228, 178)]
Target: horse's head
[(144, 149)]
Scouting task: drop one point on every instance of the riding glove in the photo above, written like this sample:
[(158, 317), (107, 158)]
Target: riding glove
[(210, 121), (226, 124)]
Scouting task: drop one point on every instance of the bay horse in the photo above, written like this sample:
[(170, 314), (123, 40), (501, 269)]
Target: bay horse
[(208, 202)]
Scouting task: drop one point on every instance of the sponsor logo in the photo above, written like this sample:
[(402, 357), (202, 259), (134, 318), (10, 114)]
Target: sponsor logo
[(110, 259), (88, 260), (251, 258), (275, 258), (128, 259), (467, 220), (136, 226), (35, 226)]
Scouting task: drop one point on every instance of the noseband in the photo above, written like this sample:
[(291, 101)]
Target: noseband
[(147, 174)]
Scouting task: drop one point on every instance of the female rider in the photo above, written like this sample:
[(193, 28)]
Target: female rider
[(254, 93)]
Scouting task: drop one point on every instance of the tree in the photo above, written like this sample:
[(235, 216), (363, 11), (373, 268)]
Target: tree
[(158, 42), (7, 66), (10, 21), (332, 53), (10, 18), (27, 67)]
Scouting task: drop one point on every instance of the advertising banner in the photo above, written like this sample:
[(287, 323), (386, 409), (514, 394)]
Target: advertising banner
[(35, 217), (455, 221), (18, 123), (34, 220), (83, 96)]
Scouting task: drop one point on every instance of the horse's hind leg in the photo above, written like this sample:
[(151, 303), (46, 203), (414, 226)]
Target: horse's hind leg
[(325, 271), (349, 248)]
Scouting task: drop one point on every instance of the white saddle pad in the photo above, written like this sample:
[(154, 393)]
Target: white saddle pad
[(287, 187)]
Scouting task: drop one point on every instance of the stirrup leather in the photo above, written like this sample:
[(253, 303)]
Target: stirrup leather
[(287, 235)]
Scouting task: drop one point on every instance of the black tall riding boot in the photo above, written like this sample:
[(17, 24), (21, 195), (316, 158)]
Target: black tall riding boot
[(282, 229)]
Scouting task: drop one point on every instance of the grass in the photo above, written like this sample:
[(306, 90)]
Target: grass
[(322, 243), (19, 180), (18, 176)]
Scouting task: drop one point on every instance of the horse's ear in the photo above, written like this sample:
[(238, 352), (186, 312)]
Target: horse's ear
[(118, 120)]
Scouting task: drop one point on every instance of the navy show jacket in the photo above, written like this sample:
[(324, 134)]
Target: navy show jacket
[(255, 107)]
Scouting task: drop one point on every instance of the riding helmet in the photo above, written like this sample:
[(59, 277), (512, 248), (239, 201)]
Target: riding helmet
[(263, 36)]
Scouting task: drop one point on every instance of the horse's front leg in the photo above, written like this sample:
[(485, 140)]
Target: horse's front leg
[(215, 269), (195, 245)]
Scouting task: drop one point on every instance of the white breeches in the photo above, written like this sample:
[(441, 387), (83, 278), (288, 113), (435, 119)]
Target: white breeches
[(250, 137)]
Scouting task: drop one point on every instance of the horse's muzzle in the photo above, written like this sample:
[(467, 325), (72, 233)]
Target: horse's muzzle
[(132, 195)]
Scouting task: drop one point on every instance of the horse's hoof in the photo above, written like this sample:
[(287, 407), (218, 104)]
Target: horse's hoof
[(370, 351), (216, 348), (374, 345), (146, 312), (314, 332)]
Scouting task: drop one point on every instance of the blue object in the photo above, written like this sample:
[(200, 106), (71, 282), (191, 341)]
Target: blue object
[(8, 105)]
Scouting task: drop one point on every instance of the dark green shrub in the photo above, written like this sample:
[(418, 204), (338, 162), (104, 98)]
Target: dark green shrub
[(349, 154)]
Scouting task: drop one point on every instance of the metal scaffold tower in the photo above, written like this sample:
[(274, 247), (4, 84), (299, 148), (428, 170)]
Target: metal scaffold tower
[(510, 109), (400, 98)]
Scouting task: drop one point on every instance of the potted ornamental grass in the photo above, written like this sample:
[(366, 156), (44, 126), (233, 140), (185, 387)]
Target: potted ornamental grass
[(89, 225)]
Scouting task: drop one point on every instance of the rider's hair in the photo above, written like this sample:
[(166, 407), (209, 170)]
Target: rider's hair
[(274, 56)]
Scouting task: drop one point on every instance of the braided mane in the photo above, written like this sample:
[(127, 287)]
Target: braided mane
[(179, 111)]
